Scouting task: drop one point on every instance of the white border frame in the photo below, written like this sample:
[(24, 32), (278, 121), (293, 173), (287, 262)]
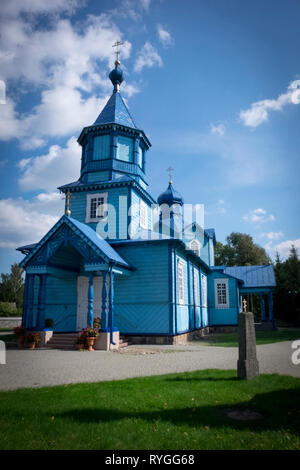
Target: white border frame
[(89, 197), (223, 281)]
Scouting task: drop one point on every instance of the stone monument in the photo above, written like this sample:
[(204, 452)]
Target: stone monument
[(247, 365)]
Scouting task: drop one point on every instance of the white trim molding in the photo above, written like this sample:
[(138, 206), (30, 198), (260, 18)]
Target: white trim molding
[(99, 201)]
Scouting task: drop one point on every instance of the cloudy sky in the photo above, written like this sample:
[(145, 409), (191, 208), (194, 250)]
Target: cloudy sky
[(214, 84)]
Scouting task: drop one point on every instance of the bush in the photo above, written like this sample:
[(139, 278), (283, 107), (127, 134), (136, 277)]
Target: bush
[(8, 309)]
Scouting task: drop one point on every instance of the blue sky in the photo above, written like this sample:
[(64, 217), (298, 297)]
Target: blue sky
[(215, 86)]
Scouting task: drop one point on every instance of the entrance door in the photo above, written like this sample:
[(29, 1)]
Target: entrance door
[(82, 300)]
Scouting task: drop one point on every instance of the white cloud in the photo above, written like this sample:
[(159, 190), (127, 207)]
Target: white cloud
[(218, 129), (164, 36), (272, 235), (284, 248), (53, 169), (147, 57), (23, 222), (258, 216), (259, 111), (69, 64)]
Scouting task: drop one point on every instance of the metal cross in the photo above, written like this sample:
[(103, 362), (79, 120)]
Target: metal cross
[(68, 196), (170, 170), (117, 44), (245, 305)]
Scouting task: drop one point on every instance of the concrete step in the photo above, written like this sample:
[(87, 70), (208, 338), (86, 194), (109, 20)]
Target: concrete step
[(63, 341)]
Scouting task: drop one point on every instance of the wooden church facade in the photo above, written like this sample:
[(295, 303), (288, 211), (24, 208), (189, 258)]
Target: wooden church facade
[(107, 257)]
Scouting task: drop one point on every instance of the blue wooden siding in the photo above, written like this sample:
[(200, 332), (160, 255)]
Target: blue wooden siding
[(125, 149), (223, 316), (61, 303), (204, 250), (97, 176), (142, 299), (101, 147), (135, 212), (117, 220)]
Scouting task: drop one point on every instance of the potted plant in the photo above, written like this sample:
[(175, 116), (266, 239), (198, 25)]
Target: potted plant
[(33, 338), (90, 335), (97, 322), (20, 332), (49, 323)]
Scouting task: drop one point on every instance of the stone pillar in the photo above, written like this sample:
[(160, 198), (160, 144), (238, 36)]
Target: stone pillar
[(247, 365), (30, 302), (262, 307), (271, 313), (104, 323), (90, 301), (42, 302)]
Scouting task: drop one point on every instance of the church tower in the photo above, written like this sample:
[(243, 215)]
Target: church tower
[(113, 171), (170, 211)]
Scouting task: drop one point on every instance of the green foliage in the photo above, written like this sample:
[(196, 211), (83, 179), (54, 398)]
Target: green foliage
[(240, 250), (9, 309), (12, 286), (287, 291)]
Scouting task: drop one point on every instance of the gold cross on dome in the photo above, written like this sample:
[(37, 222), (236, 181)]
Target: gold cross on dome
[(170, 171), (244, 305), (117, 45)]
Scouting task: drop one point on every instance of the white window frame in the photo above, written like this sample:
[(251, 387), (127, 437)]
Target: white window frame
[(196, 287), (222, 304), (89, 198), (204, 290), (180, 281), (195, 242), (143, 215)]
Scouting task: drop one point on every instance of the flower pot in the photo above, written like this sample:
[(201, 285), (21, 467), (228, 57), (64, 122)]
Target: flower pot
[(31, 345), (90, 343), (21, 341)]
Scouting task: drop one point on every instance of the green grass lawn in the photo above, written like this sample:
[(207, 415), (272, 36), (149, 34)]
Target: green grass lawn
[(176, 411), (262, 337)]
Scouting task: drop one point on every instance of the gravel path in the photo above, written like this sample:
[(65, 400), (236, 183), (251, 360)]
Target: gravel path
[(42, 367)]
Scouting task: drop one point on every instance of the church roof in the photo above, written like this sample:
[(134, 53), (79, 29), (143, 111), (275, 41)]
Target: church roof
[(88, 235), (253, 276), (170, 196), (115, 111)]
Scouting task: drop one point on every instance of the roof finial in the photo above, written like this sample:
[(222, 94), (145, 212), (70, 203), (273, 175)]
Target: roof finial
[(68, 197), (117, 52), (170, 171)]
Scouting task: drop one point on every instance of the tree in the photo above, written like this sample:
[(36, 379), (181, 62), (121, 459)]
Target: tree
[(240, 250), (12, 285), (287, 291)]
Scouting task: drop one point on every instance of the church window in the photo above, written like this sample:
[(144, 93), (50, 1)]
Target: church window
[(196, 287), (140, 157), (101, 147), (125, 149), (221, 293), (204, 290), (195, 247), (180, 280), (143, 215), (211, 253), (96, 207)]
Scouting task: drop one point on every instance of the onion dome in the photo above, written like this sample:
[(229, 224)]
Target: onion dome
[(116, 75), (170, 196)]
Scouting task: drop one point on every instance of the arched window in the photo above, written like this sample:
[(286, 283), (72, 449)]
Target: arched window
[(195, 247)]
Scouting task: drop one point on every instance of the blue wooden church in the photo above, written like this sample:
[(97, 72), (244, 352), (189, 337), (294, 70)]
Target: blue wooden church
[(147, 276)]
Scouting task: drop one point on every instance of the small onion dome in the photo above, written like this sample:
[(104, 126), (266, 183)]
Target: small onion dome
[(116, 75), (170, 197)]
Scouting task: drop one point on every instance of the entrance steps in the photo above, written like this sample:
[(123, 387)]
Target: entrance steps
[(63, 341)]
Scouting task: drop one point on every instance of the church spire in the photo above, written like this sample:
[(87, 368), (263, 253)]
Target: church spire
[(116, 75)]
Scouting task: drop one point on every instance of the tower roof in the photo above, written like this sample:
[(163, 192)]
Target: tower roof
[(115, 111), (170, 196)]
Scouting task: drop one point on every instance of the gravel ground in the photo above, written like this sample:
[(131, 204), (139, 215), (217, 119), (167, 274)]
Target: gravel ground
[(43, 367)]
